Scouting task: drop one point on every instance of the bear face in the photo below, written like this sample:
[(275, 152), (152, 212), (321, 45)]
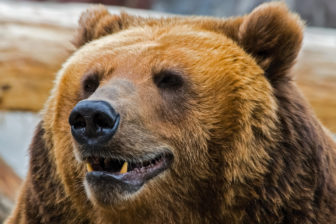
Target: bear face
[(163, 81), (155, 85), (180, 120)]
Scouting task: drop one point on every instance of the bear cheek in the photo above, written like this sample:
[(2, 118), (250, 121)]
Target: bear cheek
[(65, 98)]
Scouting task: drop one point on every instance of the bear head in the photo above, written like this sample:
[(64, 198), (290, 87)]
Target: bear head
[(150, 117)]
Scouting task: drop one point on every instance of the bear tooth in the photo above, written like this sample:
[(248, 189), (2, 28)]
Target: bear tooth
[(124, 168), (89, 167)]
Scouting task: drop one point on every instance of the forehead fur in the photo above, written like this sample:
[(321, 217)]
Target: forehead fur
[(270, 34), (204, 55), (187, 40)]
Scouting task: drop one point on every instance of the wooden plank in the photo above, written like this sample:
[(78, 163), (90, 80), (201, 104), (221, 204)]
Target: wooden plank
[(36, 41)]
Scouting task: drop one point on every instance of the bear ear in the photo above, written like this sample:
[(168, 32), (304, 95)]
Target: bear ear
[(96, 22), (273, 36)]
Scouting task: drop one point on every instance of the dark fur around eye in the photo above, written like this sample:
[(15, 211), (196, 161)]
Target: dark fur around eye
[(169, 80), (89, 84)]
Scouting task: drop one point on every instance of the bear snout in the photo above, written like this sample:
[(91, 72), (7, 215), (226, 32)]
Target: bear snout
[(93, 122)]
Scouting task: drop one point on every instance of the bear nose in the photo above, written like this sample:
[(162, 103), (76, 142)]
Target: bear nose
[(93, 122)]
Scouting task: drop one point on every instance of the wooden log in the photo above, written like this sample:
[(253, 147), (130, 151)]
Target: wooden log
[(36, 41), (30, 56), (32, 49)]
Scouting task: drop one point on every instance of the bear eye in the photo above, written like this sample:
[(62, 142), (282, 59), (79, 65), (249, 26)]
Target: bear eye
[(90, 84), (168, 80)]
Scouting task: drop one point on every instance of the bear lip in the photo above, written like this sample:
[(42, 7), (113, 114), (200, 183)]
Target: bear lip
[(138, 171)]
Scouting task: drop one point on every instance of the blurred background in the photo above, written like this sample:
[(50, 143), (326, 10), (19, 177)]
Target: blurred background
[(35, 40)]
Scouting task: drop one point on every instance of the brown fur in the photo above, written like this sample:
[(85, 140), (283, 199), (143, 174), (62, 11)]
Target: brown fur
[(247, 148)]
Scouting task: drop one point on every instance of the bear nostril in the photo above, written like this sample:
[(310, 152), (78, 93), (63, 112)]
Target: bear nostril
[(78, 122), (102, 121)]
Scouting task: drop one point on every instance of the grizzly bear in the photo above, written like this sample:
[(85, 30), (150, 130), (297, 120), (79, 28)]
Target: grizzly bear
[(180, 120)]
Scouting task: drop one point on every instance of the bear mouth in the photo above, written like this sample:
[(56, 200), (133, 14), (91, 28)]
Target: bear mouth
[(127, 171)]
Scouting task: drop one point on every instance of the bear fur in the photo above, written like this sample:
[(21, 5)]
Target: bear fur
[(247, 148)]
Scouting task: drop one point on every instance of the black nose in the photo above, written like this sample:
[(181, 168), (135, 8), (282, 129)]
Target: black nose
[(93, 122)]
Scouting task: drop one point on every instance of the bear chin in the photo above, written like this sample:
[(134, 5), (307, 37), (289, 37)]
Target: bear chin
[(105, 190)]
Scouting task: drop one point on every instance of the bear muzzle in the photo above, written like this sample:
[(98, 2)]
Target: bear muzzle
[(108, 160)]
